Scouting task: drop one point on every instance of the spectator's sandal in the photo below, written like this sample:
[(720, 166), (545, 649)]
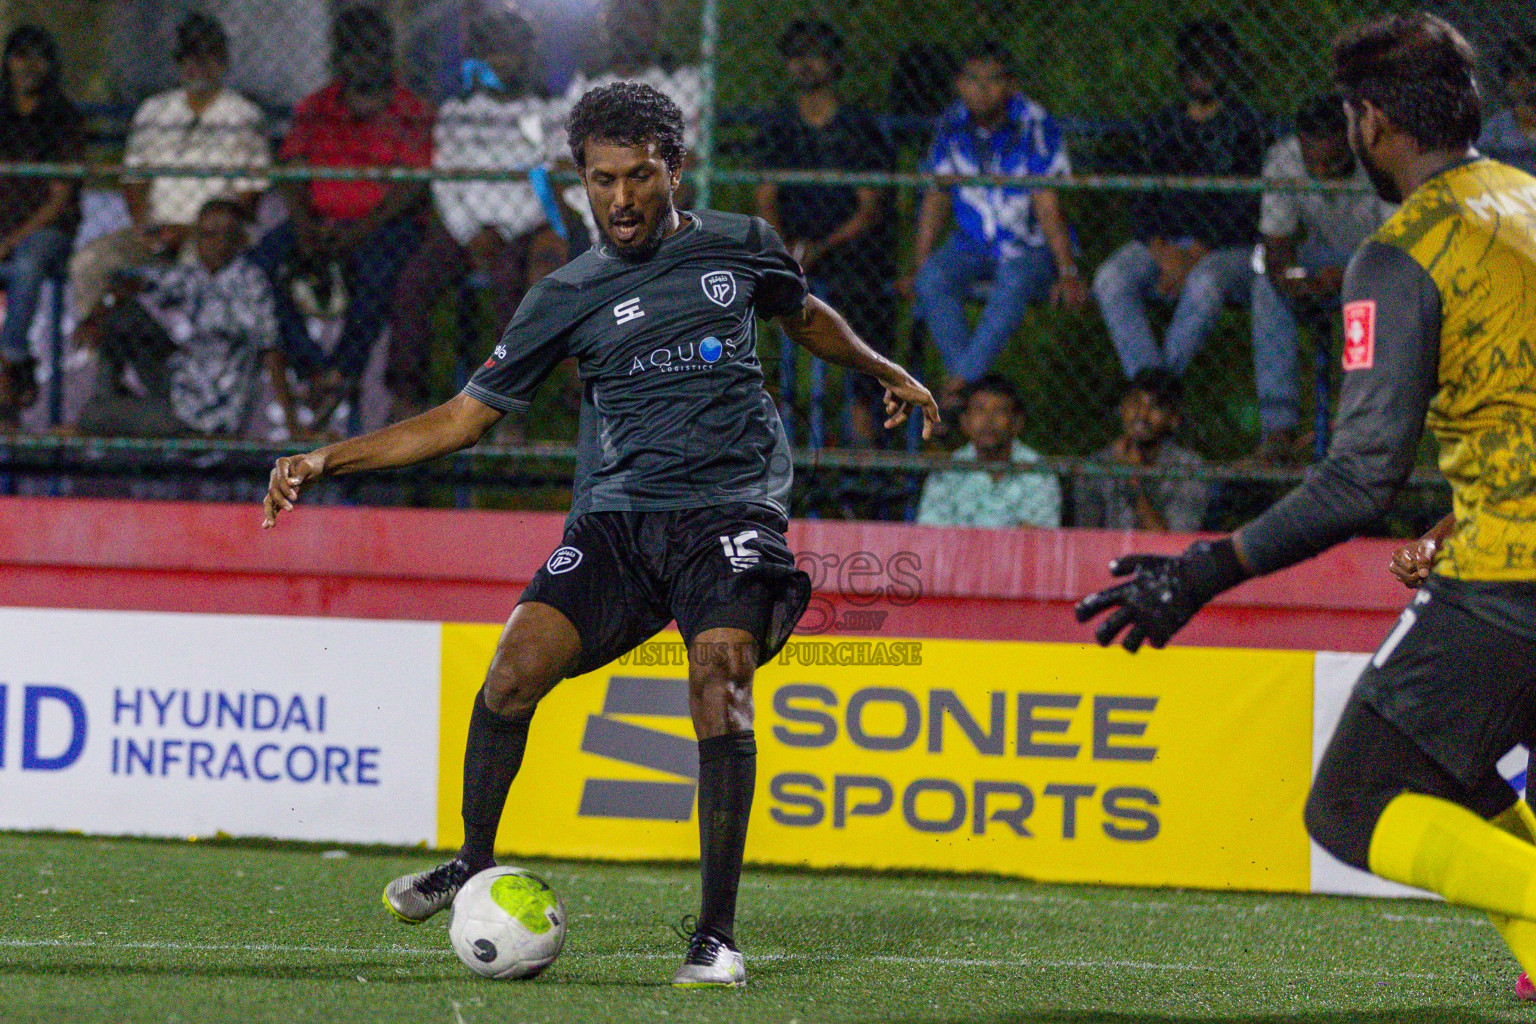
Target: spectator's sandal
[(10, 414), (21, 383)]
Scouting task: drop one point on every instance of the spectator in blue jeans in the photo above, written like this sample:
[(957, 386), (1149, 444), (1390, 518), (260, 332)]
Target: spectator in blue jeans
[(1308, 240), (1193, 249), (1015, 238), (38, 216)]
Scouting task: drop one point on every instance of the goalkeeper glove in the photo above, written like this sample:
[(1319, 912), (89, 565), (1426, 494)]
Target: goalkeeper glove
[(1163, 592)]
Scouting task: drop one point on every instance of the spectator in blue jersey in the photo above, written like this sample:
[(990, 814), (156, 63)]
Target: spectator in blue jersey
[(1016, 238), (1192, 249)]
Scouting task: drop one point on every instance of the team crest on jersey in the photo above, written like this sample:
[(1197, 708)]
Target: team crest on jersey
[(563, 560), (719, 287), (1360, 334)]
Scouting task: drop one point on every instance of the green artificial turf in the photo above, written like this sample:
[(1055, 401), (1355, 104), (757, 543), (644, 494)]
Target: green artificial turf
[(120, 930)]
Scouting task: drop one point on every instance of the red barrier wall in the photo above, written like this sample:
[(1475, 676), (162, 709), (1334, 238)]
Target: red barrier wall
[(471, 566)]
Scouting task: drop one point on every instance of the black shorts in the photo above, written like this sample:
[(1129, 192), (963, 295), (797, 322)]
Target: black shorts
[(1462, 688), (620, 577)]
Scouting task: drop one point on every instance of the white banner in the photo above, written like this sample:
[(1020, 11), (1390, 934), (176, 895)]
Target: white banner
[(1333, 678), (190, 725)]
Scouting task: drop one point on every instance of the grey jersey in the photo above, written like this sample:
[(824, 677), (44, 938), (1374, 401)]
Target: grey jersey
[(673, 412)]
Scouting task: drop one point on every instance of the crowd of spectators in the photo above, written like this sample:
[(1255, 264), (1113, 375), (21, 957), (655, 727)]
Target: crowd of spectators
[(226, 305)]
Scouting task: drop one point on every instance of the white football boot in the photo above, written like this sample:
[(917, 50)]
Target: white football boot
[(710, 963), (414, 898)]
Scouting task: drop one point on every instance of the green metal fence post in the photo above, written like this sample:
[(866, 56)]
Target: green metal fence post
[(709, 36)]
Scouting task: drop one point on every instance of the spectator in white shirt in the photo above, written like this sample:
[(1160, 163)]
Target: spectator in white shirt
[(1309, 238), (635, 54), (197, 334), (274, 68), (200, 124), (499, 230), (995, 498)]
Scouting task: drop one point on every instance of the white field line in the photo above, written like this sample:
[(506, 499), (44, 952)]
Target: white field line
[(920, 961), (1465, 922), (209, 947), (1159, 906)]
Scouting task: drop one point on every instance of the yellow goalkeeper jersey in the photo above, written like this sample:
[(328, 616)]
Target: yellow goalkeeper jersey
[(1472, 228)]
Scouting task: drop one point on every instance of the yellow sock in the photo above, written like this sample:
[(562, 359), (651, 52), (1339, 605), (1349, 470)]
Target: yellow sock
[(1519, 935), (1434, 844)]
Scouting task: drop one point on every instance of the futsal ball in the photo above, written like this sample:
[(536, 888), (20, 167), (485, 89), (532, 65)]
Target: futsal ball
[(507, 923)]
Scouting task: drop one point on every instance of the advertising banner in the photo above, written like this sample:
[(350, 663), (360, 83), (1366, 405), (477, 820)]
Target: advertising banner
[(191, 725), (1057, 762), (1049, 761)]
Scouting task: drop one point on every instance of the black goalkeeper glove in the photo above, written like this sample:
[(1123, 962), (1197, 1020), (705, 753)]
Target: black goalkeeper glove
[(1163, 594)]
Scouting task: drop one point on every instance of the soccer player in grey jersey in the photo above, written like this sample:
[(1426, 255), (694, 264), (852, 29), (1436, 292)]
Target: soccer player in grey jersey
[(679, 506)]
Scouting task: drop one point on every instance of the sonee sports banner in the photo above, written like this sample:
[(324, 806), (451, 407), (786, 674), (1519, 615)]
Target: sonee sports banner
[(1046, 761)]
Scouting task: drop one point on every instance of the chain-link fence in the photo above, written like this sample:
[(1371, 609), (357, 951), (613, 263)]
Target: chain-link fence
[(1096, 219)]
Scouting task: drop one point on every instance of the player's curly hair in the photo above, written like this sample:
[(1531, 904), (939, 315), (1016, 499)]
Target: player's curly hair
[(1419, 70), (628, 114)]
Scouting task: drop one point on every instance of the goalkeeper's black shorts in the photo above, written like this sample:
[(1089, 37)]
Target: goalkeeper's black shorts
[(1462, 687)]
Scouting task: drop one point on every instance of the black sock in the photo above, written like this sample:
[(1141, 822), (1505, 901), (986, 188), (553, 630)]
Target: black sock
[(727, 776), (492, 756)]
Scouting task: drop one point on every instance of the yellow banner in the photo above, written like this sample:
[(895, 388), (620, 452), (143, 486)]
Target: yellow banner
[(1057, 762)]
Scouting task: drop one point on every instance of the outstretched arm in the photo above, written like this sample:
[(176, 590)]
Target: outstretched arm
[(1392, 356), (1392, 349), (821, 331), (457, 423)]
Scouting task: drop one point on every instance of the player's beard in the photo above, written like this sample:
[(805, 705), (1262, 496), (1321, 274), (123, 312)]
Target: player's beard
[(643, 249), (1384, 183)]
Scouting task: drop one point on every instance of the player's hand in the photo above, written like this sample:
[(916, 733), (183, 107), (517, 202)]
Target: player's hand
[(901, 394), (290, 476), (1163, 593), (1412, 562)]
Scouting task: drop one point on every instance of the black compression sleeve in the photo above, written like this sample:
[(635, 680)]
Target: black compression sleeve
[(1392, 373)]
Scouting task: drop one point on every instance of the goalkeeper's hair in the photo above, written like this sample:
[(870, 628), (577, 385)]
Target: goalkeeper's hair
[(628, 114), (1419, 71)]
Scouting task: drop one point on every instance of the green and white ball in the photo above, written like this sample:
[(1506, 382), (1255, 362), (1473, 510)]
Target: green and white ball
[(507, 923)]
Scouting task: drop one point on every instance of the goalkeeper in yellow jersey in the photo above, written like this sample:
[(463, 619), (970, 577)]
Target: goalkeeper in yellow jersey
[(1439, 329)]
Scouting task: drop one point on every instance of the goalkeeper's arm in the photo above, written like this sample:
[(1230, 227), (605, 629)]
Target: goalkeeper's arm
[(1392, 372), (1392, 314)]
